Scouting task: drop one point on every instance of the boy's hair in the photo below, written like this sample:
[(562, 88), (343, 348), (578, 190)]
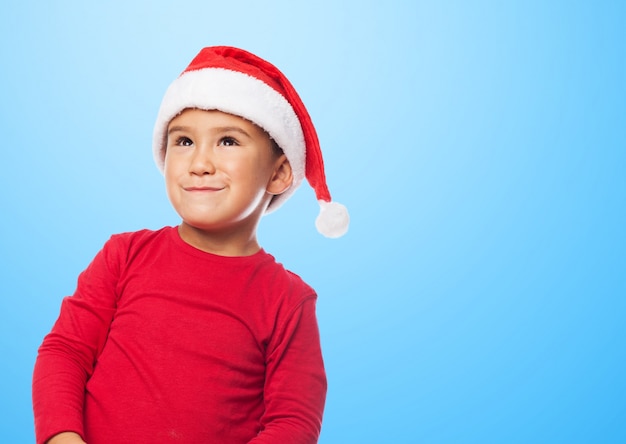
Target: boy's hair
[(277, 150), (237, 82)]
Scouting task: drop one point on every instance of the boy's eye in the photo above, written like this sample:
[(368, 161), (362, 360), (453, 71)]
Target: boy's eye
[(184, 141), (228, 141)]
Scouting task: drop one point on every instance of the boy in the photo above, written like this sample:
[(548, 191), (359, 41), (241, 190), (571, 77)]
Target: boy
[(194, 333)]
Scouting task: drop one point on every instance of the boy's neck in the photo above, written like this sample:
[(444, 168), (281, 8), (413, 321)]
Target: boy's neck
[(221, 244)]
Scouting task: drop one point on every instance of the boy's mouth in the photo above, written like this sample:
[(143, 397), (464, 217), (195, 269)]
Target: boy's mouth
[(192, 189)]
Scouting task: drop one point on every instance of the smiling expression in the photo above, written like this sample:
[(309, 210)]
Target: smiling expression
[(221, 171)]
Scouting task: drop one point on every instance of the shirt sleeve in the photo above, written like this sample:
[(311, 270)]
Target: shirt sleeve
[(295, 386), (67, 355)]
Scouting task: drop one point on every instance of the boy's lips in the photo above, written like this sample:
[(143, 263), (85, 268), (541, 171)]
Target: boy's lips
[(203, 188)]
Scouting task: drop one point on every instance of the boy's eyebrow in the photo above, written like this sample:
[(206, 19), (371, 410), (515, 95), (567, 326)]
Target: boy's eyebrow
[(178, 128), (220, 129), (227, 129)]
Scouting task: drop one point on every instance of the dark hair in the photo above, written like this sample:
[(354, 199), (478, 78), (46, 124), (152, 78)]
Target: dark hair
[(276, 149)]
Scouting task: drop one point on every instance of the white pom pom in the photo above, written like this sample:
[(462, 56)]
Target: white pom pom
[(333, 219)]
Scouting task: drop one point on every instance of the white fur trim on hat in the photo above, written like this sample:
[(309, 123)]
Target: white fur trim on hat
[(235, 93)]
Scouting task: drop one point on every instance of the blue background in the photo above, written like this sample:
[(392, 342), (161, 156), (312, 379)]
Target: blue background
[(480, 147)]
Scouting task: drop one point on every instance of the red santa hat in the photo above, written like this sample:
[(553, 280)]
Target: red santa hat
[(237, 82)]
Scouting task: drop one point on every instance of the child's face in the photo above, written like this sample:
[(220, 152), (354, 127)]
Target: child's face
[(221, 170)]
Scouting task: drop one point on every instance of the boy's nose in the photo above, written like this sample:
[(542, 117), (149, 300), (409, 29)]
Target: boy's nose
[(202, 163)]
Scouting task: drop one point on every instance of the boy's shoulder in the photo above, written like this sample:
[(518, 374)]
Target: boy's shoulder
[(125, 245), (290, 285), (130, 240), (139, 236), (288, 278)]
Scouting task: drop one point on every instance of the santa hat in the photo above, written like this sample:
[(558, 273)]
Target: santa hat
[(238, 82)]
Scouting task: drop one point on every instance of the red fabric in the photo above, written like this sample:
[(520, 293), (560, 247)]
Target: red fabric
[(164, 343)]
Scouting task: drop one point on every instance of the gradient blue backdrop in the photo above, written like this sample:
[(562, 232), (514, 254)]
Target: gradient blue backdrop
[(480, 146)]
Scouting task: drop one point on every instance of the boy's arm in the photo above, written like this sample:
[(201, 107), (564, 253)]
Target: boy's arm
[(67, 355), (295, 387), (66, 438)]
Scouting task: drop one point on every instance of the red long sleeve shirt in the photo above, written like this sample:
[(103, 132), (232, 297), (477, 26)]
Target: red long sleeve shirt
[(163, 343)]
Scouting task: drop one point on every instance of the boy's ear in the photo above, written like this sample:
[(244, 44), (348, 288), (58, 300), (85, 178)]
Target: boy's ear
[(282, 178)]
